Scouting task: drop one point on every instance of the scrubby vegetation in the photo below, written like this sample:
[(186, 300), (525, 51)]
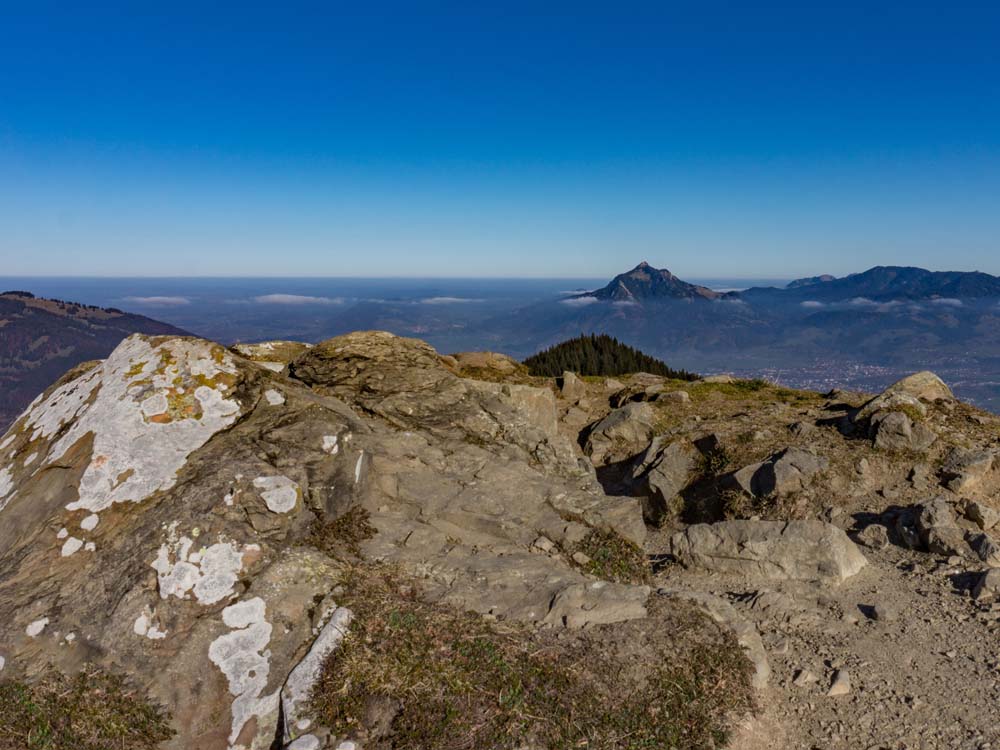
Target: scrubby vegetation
[(599, 355), (342, 535), (614, 558), (415, 676), (91, 711)]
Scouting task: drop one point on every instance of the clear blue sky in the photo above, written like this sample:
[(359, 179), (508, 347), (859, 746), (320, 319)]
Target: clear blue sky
[(518, 139)]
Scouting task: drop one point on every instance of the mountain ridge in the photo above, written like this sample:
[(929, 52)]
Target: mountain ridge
[(889, 283), (42, 338)]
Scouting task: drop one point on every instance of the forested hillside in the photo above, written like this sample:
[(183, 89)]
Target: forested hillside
[(599, 355)]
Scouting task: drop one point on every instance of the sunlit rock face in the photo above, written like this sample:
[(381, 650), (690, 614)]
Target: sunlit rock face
[(157, 512)]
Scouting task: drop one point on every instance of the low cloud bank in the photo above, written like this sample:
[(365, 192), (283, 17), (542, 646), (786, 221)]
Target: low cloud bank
[(579, 301), (296, 299), (159, 301)]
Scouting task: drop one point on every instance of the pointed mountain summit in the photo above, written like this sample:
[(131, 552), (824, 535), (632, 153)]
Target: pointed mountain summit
[(647, 283)]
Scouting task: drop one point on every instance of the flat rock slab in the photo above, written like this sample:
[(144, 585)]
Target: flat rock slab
[(792, 550)]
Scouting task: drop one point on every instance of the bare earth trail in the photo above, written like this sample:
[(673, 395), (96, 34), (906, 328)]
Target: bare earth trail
[(927, 676)]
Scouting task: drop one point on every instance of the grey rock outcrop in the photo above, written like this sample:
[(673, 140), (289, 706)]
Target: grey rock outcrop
[(571, 387), (895, 431), (924, 385), (796, 550), (661, 473), (621, 434), (987, 587), (158, 507), (783, 473), (874, 536), (984, 516), (965, 470)]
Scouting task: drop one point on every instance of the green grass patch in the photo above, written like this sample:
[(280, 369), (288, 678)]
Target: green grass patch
[(614, 558), (415, 676), (93, 710)]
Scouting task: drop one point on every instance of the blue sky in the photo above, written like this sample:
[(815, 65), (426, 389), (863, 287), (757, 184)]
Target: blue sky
[(518, 139)]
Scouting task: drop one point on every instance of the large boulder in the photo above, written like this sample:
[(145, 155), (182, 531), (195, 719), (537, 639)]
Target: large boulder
[(274, 355), (964, 470), (485, 365), (405, 382), (938, 529), (621, 434), (571, 387), (184, 515), (909, 394), (796, 550), (784, 473), (924, 385), (661, 473), (895, 431)]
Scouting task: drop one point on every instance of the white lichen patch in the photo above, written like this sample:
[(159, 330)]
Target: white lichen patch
[(35, 628), (155, 404), (71, 546), (62, 533), (274, 398), (90, 522), (305, 742), (209, 573), (3, 663), (146, 627), (6, 487), (137, 451), (228, 498), (330, 444), (89, 547), (243, 657), (272, 366), (279, 493), (300, 682)]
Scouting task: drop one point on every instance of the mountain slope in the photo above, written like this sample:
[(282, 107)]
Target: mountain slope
[(42, 338)]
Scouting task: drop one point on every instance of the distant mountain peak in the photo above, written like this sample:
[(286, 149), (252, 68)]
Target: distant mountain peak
[(644, 282)]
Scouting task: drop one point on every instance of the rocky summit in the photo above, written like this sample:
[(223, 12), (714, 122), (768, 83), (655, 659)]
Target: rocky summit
[(366, 544)]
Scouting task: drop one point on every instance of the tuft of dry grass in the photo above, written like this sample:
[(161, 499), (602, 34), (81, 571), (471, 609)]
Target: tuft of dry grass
[(343, 534), (414, 676), (613, 558), (93, 710)]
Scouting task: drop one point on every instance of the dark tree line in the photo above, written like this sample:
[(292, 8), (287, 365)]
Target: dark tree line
[(598, 355)]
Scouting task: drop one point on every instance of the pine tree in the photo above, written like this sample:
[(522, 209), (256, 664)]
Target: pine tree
[(599, 354)]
